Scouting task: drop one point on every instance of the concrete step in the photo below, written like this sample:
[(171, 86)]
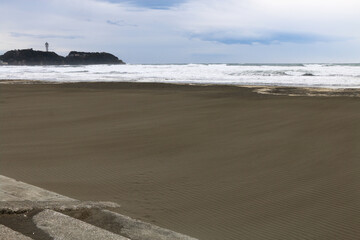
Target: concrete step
[(12, 190), (60, 226), (9, 234), (14, 207), (40, 214)]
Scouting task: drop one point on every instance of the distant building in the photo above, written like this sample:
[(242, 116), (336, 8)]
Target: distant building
[(47, 46)]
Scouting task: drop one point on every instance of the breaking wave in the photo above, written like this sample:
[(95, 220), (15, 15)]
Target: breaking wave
[(306, 75)]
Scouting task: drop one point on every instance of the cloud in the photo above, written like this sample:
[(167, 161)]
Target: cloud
[(178, 30), (247, 20), (152, 4), (120, 23), (268, 38), (44, 36)]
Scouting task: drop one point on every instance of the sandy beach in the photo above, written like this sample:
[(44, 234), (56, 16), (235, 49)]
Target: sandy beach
[(212, 162)]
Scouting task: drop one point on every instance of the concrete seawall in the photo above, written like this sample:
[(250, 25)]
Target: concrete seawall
[(28, 212)]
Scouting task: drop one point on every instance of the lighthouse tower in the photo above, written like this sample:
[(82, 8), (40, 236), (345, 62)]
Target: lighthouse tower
[(47, 46)]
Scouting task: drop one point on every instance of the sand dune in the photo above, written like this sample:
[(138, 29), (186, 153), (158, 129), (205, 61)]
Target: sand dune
[(211, 162)]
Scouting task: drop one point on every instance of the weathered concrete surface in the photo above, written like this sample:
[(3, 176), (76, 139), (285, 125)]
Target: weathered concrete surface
[(10, 207), (60, 226), (12, 190), (9, 234)]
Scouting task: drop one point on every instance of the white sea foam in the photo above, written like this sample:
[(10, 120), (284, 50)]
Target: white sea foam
[(305, 75)]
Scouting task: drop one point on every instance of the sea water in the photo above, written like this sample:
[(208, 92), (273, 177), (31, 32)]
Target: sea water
[(298, 75)]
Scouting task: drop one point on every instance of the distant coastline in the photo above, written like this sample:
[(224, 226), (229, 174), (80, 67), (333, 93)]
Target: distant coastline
[(30, 57)]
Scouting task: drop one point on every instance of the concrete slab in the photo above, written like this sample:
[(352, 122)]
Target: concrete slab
[(12, 190), (12, 207), (60, 226), (9, 234), (30, 210), (7, 197)]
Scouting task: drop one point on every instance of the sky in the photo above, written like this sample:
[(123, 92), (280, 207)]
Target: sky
[(188, 31)]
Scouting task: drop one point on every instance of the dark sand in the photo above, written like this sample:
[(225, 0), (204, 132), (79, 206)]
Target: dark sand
[(211, 162)]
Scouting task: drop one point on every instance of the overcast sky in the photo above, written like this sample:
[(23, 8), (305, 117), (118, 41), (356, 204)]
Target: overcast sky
[(188, 31)]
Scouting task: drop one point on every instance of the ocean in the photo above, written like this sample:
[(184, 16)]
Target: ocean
[(294, 75)]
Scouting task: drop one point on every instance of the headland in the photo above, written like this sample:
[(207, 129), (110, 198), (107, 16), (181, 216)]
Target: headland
[(32, 57)]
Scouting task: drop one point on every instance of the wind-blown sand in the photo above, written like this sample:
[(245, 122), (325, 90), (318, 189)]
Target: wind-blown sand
[(211, 162)]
